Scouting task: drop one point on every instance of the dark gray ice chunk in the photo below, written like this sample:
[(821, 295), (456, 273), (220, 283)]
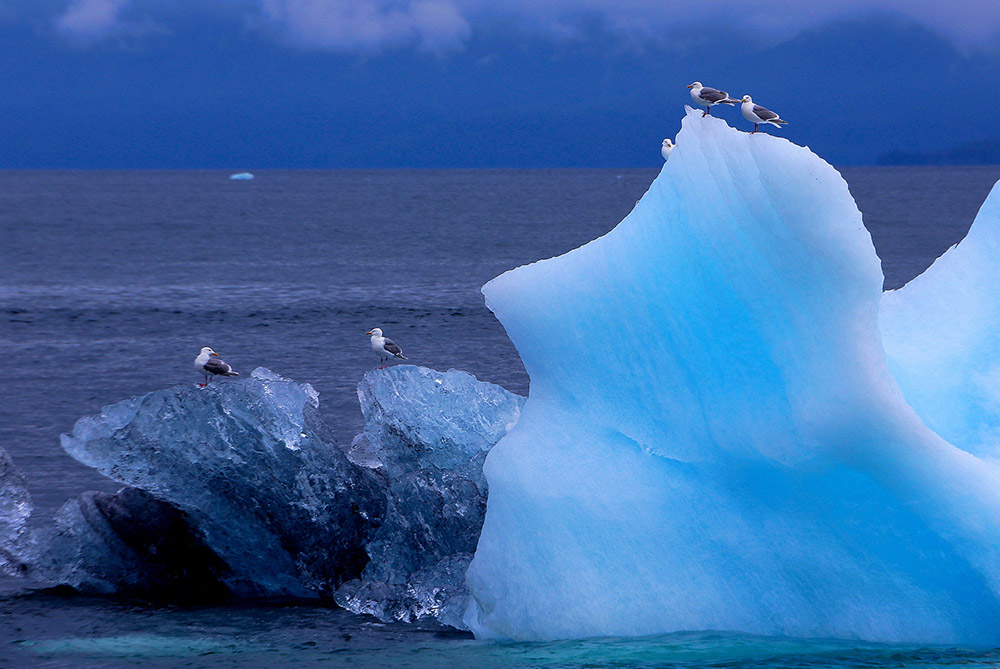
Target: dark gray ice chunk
[(133, 545), (256, 473), (428, 432), (16, 540), (417, 417)]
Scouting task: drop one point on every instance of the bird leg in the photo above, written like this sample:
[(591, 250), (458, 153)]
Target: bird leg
[(754, 128), (708, 110)]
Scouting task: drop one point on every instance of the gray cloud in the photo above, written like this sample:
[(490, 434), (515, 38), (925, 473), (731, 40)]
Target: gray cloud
[(363, 25), (90, 18), (86, 21), (445, 25), (966, 21)]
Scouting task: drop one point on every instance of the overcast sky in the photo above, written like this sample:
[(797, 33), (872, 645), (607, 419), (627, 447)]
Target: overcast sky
[(103, 82), (350, 25)]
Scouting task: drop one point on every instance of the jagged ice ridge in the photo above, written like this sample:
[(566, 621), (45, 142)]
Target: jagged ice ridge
[(428, 432)]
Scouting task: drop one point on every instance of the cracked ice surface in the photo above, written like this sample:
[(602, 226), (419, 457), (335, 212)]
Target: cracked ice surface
[(16, 540), (253, 469), (429, 433)]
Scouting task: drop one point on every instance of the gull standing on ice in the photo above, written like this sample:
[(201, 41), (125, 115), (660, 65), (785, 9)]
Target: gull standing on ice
[(757, 114), (707, 97), (667, 147), (384, 347), (210, 367)]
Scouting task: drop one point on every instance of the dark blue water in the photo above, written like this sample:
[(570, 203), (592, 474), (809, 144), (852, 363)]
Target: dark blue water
[(110, 283)]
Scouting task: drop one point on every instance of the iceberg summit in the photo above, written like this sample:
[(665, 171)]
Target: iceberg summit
[(714, 439)]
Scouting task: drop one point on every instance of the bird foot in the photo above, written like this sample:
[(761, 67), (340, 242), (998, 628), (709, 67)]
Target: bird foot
[(203, 385), (704, 114)]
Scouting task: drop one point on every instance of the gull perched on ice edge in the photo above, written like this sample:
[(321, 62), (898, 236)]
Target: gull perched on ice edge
[(384, 347), (666, 148), (706, 97), (757, 114), (205, 364)]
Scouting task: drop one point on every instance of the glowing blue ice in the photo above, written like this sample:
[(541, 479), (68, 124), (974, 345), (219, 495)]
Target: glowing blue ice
[(713, 438), (943, 341)]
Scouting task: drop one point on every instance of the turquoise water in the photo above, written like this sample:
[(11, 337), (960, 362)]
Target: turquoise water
[(108, 634)]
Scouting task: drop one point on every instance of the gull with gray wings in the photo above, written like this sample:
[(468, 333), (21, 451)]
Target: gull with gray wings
[(384, 347), (709, 97), (212, 366), (757, 114)]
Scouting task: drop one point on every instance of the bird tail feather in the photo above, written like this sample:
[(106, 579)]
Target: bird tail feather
[(777, 121), (730, 101), (232, 372), (401, 356)]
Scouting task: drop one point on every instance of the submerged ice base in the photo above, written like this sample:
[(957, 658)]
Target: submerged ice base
[(713, 439)]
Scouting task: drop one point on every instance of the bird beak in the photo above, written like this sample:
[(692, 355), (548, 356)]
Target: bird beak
[(369, 332), (690, 86), (215, 354)]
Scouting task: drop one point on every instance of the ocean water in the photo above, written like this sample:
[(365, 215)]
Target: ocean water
[(110, 283)]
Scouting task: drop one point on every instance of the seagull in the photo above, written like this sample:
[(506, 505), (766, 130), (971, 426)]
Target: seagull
[(209, 367), (384, 347), (707, 97), (757, 114), (667, 147)]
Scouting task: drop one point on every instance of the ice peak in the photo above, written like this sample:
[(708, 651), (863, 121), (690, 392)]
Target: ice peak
[(713, 439)]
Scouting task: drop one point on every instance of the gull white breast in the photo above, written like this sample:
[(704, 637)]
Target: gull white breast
[(757, 114), (210, 364), (709, 97), (666, 148), (384, 347)]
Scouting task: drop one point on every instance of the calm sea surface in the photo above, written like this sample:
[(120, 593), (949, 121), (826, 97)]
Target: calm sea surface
[(110, 283)]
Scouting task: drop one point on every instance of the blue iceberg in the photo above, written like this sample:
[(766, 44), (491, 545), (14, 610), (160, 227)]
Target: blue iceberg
[(241, 176), (133, 545), (428, 433), (940, 334), (17, 542), (248, 466), (714, 440)]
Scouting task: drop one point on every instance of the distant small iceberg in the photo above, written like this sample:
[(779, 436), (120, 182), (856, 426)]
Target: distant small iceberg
[(241, 176)]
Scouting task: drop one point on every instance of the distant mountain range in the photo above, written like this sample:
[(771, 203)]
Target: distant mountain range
[(983, 152), (206, 95)]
